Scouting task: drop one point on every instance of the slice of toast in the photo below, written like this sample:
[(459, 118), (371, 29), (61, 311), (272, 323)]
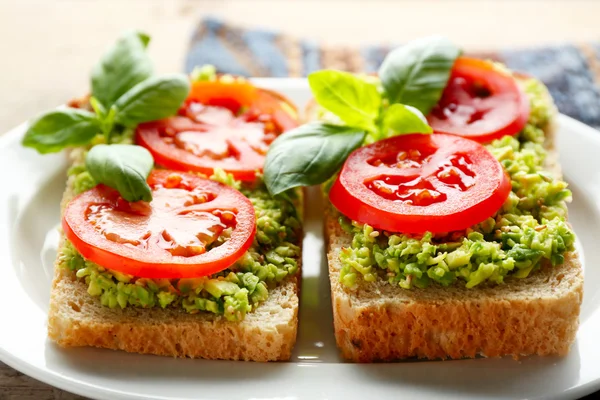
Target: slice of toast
[(76, 318), (381, 322), (538, 315)]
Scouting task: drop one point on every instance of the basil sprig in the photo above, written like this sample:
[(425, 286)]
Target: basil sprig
[(416, 74), (354, 100), (405, 118), (412, 79), (124, 93), (61, 128), (309, 155), (123, 167), (122, 67), (152, 99)]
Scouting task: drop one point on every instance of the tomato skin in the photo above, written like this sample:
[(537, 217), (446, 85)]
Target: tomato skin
[(241, 93), (284, 112), (153, 261), (353, 195), (171, 157), (231, 95), (480, 103), (258, 107)]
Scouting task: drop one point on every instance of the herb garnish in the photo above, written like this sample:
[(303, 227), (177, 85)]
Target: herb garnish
[(124, 93), (412, 79)]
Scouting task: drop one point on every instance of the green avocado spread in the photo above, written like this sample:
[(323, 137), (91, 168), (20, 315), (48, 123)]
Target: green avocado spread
[(530, 228), (233, 292)]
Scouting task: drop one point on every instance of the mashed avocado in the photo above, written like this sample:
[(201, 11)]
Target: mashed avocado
[(529, 229), (232, 292)]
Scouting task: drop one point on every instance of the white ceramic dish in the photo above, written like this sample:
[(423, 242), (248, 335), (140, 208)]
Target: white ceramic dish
[(29, 215)]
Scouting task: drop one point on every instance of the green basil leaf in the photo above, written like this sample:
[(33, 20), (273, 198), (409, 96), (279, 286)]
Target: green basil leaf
[(417, 73), (122, 67), (309, 155), (124, 167), (402, 119), (98, 108), (59, 129), (354, 100), (155, 98), (144, 37)]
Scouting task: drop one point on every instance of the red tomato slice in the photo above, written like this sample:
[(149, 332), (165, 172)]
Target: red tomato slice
[(282, 111), (232, 94), (227, 125), (419, 183), (480, 103), (176, 235)]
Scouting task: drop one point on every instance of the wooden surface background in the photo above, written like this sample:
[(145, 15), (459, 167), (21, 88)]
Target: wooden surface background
[(48, 47)]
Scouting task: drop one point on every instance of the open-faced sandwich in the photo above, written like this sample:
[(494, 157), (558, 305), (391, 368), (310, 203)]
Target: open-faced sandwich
[(170, 242), (445, 217)]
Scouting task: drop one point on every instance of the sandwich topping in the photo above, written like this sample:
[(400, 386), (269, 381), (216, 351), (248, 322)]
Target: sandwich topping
[(273, 256), (420, 183), (530, 228), (435, 167), (481, 102), (157, 245), (225, 123), (192, 227)]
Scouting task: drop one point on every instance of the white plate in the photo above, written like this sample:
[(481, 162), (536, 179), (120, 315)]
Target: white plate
[(29, 214)]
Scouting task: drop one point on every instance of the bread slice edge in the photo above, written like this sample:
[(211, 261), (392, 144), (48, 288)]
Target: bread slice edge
[(77, 319), (536, 315), (268, 333)]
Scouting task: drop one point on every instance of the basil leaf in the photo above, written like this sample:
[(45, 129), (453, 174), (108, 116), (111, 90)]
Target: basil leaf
[(144, 37), (122, 67), (155, 98), (59, 129), (417, 73), (352, 99), (98, 108), (124, 167), (309, 155), (401, 119)]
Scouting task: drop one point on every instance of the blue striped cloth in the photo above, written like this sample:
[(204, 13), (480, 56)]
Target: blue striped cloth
[(571, 71)]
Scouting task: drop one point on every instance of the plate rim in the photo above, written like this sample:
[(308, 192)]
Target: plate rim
[(86, 388)]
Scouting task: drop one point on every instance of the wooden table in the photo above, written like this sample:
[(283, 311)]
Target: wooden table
[(48, 48)]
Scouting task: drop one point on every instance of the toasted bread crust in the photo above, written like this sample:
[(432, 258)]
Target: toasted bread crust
[(536, 315), (77, 319), (267, 334)]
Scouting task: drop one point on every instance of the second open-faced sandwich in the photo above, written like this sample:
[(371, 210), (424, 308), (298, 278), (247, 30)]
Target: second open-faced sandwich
[(445, 218), (170, 242)]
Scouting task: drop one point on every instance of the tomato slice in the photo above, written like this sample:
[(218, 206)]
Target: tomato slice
[(223, 124), (193, 227), (231, 94), (419, 183), (480, 102), (274, 106)]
